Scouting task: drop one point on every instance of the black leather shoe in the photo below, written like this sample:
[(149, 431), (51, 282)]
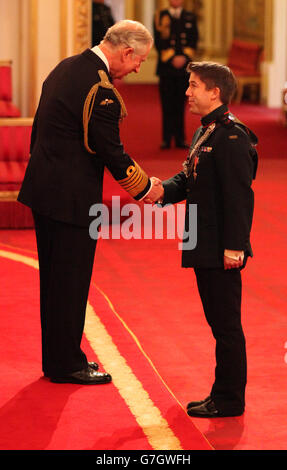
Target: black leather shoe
[(209, 410), (93, 365), (182, 145), (191, 404), (87, 376)]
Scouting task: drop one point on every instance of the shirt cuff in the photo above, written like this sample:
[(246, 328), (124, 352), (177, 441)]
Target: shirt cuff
[(234, 254), (146, 193)]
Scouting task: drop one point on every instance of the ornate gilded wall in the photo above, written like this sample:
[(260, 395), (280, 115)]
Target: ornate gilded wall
[(43, 32), (82, 25), (249, 20)]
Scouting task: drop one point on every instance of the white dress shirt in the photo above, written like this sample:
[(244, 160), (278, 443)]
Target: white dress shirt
[(102, 56), (175, 12)]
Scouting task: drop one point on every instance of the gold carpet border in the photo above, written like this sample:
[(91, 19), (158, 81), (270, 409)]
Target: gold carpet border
[(33, 263), (147, 415), (136, 340)]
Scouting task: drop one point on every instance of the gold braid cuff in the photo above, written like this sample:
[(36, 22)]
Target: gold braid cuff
[(189, 52), (167, 54), (136, 181), (89, 104)]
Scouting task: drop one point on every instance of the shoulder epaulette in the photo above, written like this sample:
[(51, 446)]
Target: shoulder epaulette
[(90, 100), (229, 121), (253, 138), (226, 120)]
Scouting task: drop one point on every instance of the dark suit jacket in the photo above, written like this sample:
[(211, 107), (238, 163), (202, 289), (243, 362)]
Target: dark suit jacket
[(222, 192), (63, 179), (174, 37)]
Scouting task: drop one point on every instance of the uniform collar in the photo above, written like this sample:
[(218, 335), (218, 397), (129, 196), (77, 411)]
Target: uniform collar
[(215, 115), (101, 55)]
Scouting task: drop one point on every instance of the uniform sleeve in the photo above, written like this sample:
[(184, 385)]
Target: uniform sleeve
[(174, 189), (235, 173), (33, 132), (104, 139), (156, 32), (192, 37), (162, 37)]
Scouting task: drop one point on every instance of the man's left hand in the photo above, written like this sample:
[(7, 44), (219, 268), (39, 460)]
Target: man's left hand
[(231, 263)]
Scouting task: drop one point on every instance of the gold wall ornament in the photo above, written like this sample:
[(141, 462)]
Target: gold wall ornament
[(82, 25), (251, 25)]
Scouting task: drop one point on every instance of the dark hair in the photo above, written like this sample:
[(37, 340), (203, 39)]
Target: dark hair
[(215, 75)]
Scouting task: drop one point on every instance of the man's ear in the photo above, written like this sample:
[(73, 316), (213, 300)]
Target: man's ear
[(127, 52), (216, 93)]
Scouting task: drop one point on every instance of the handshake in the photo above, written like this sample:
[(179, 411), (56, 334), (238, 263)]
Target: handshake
[(156, 192)]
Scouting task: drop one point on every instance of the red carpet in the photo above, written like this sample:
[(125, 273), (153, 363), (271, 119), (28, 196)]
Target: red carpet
[(154, 316), (36, 414)]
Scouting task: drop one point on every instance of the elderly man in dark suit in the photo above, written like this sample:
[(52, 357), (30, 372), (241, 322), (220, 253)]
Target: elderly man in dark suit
[(217, 178), (75, 136)]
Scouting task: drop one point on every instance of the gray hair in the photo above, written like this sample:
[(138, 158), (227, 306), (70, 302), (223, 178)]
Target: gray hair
[(129, 33)]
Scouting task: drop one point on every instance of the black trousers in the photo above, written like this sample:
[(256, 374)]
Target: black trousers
[(172, 95), (220, 292), (66, 257)]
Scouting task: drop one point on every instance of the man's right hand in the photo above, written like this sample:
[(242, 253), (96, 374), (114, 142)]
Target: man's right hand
[(156, 193)]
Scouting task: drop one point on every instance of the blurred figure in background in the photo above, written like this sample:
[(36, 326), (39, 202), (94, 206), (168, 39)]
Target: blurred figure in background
[(176, 37), (102, 19)]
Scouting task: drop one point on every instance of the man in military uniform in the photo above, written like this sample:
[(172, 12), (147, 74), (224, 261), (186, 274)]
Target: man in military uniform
[(102, 20), (176, 37), (75, 136), (217, 178)]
